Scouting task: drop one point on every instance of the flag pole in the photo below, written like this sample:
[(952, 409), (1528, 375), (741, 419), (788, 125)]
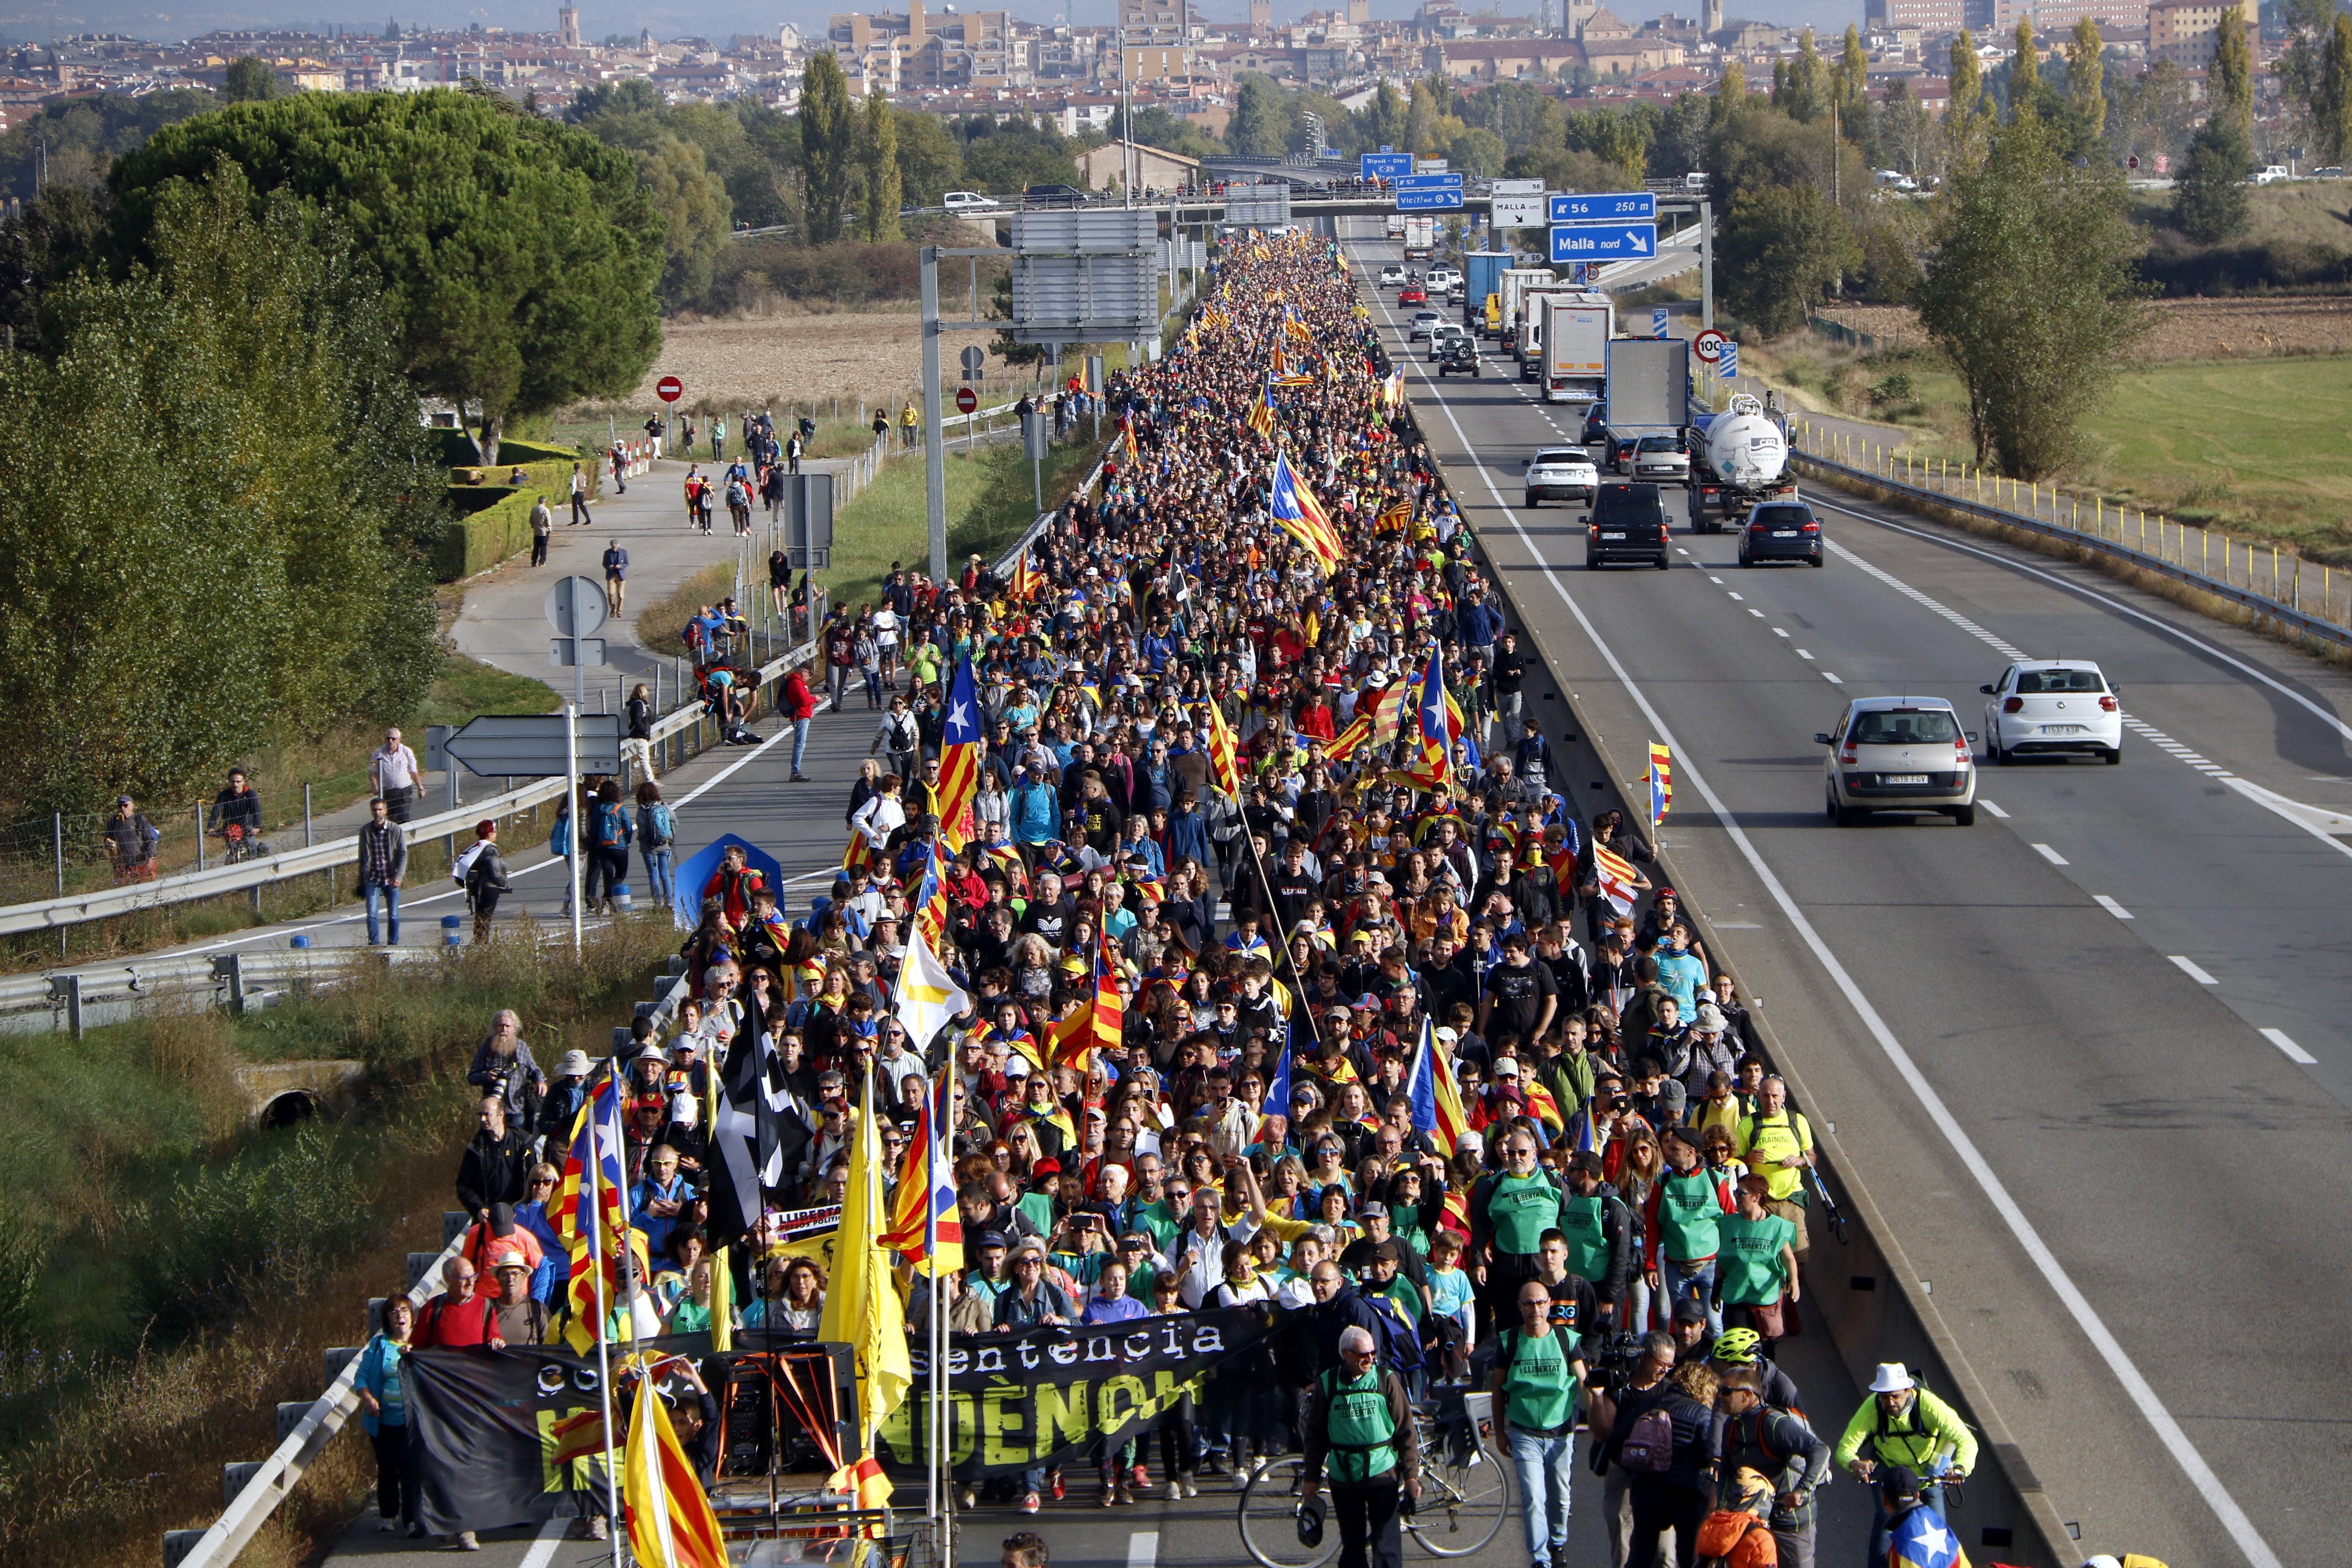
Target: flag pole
[(604, 1312), (935, 1500)]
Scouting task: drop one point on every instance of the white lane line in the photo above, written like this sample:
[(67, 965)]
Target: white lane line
[(544, 1545), (1775, 632), (1679, 550), (2112, 907), (1832, 680), (2190, 970), (2295, 1053), (1144, 1549), (1757, 612), (1714, 580), (1802, 654), (1718, 579), (2050, 855), (1991, 807), (2135, 1383)]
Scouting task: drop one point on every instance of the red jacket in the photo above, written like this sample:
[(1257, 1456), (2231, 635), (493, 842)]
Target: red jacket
[(799, 702)]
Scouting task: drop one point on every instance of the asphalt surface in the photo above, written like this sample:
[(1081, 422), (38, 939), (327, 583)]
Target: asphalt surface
[(2089, 1055)]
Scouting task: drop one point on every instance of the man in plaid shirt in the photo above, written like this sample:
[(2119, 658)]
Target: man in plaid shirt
[(383, 859)]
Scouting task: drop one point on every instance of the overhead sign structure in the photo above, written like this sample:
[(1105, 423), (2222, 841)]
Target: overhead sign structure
[(670, 389), (1516, 189), (1519, 212), (1709, 346), (1429, 193), (1607, 205), (1384, 165), (534, 745), (1603, 241)]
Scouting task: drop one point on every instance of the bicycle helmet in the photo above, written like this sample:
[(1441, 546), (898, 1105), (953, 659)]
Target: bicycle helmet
[(1736, 1347), (1311, 1523)]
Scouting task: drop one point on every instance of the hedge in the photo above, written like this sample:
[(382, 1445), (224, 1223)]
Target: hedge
[(494, 521)]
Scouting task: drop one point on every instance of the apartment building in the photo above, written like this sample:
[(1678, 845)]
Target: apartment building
[(2189, 32), (916, 51)]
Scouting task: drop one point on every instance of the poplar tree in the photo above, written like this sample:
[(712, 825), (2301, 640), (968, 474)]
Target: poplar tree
[(828, 144), (878, 151)]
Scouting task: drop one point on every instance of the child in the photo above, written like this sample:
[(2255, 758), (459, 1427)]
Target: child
[(1449, 1301)]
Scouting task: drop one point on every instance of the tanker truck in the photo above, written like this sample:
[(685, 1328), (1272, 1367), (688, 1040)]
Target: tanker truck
[(1742, 457)]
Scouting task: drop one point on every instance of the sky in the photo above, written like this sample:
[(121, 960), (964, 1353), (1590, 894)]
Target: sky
[(35, 20)]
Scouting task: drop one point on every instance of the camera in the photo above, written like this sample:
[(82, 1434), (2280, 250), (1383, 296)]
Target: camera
[(1613, 1363)]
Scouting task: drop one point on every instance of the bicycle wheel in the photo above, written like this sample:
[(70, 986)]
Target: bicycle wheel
[(1462, 1506), (1268, 1515)]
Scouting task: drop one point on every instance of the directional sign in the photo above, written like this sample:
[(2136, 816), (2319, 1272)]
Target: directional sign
[(1516, 189), (966, 400), (1429, 193), (576, 606), (530, 745), (1384, 165), (670, 389), (1603, 241), (1727, 365), (1608, 204), (1708, 345), (1519, 212)]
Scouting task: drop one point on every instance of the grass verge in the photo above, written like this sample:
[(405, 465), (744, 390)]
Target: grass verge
[(659, 624), (200, 1271)]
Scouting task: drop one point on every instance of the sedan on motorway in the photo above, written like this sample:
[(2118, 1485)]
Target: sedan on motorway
[(1561, 473), (1780, 531), (1596, 423), (1424, 324), (1442, 333), (1413, 294), (968, 201), (1391, 277), (2051, 707), (1900, 753), (1661, 458)]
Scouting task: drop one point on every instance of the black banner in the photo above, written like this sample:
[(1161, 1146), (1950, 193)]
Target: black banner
[(1032, 1398)]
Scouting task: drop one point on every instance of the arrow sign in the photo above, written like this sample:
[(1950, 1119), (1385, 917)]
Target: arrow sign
[(1618, 205), (531, 744), (1603, 241)]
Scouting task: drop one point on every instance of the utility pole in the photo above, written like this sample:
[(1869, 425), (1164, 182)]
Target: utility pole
[(935, 456)]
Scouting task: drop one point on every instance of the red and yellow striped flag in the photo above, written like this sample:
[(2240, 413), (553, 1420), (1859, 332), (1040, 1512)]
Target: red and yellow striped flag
[(960, 745), (1225, 756), (671, 1525)]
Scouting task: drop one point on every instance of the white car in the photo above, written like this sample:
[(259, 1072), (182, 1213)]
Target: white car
[(1440, 334), (1423, 324), (1442, 278), (2057, 707), (1561, 473), (1900, 754), (1391, 277), (968, 201)]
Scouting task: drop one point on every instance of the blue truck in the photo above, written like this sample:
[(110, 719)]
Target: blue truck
[(1481, 275)]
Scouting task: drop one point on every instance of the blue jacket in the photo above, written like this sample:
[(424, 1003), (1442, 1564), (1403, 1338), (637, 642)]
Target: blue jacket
[(1479, 624), (1036, 812), (378, 1358)]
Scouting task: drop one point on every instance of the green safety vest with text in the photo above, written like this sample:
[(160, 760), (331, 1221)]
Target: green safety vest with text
[(1588, 1243), (1688, 1215), (1359, 1426), (1519, 1209)]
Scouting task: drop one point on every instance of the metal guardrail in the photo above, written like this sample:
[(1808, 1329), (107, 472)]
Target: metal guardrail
[(2285, 614)]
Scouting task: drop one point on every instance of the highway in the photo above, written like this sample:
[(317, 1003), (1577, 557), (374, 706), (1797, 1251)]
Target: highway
[(2090, 1055)]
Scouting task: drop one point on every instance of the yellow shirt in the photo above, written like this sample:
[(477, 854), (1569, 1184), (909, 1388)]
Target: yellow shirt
[(1762, 1141)]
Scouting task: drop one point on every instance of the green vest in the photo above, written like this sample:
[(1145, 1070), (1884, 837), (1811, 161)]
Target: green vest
[(1588, 1247), (1540, 1385), (1519, 1209), (1748, 1267), (1358, 1427), (1688, 1215)]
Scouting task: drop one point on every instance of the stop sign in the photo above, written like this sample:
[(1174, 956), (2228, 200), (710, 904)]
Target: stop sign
[(966, 400), (670, 389)]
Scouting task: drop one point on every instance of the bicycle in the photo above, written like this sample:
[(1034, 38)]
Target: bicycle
[(1465, 1496)]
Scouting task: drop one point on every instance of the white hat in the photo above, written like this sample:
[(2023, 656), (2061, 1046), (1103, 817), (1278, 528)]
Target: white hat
[(1016, 1065), (1507, 1066), (1893, 1377)]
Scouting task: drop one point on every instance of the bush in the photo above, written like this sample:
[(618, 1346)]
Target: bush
[(493, 520), (753, 272), (458, 451), (1894, 389)]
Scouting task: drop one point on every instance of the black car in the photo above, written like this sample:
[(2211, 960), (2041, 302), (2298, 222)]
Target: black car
[(1780, 531), (1628, 522), (1053, 196), (1459, 354), (1596, 423)]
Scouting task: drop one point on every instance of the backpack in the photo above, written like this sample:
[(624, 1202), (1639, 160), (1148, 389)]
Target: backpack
[(611, 827), (656, 829), (1649, 1447), (1727, 1529)]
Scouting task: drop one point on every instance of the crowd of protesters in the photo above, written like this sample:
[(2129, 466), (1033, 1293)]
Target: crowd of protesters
[(1610, 1239)]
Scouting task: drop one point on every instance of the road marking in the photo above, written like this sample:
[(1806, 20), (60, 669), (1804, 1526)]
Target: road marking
[(1680, 550), (1144, 1549), (1801, 652), (1718, 579), (2295, 1053), (544, 1545), (1779, 633), (2135, 1383), (1832, 680), (2112, 907), (1991, 807), (2193, 973), (1757, 612), (2050, 855)]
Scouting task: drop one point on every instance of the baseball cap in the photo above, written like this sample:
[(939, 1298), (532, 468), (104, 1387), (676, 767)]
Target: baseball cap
[(1507, 1066), (1374, 1211)]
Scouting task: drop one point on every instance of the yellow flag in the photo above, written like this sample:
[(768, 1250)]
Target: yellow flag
[(862, 1309)]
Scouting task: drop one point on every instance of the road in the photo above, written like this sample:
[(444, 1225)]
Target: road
[(2090, 1055)]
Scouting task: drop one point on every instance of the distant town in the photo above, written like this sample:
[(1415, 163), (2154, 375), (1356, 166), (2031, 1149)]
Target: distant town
[(1160, 54)]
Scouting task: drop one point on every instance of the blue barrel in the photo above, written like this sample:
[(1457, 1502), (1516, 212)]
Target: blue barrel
[(621, 896), (453, 931), (299, 940)]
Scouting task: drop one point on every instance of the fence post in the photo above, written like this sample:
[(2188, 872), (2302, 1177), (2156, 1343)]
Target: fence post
[(306, 817), (200, 836)]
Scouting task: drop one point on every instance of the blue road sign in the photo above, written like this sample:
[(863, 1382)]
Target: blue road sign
[(1726, 364), (1616, 205), (1658, 321), (1603, 241), (1384, 165), (1429, 193)]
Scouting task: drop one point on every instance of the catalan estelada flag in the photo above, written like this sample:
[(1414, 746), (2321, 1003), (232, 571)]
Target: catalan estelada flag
[(1027, 581), (594, 1209), (960, 745), (938, 1246), (1662, 783), (1302, 517), (1435, 1098)]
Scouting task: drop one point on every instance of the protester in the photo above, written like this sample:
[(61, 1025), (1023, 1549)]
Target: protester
[(383, 1413)]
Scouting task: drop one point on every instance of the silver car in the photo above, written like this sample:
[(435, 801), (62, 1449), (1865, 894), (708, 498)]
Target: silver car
[(1659, 457), (1423, 324), (1442, 333), (1900, 753)]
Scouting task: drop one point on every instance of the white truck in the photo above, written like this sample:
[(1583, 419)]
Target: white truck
[(1526, 339), (1395, 227), (1420, 236), (1572, 343), (1742, 458), (1510, 283)]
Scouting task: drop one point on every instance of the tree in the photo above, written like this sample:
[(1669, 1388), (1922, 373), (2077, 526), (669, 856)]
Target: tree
[(1476, 152), (249, 81), (1963, 118), (1617, 137), (2332, 104), (1907, 132), (1383, 119), (2208, 195), (2086, 76), (2229, 81), (1679, 147), (878, 158), (1259, 128), (1853, 80), (41, 248), (695, 213), (2033, 294), (1802, 93), (1780, 247), (2152, 115), (828, 138), (519, 257), (2025, 90), (1730, 93), (930, 164), (249, 454)]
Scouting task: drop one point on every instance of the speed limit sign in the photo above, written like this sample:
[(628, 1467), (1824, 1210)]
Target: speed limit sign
[(1708, 345), (670, 389)]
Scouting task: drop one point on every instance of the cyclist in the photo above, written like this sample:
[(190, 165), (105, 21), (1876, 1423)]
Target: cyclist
[(236, 816), (1906, 1427), (1778, 1446), (1359, 1425)]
